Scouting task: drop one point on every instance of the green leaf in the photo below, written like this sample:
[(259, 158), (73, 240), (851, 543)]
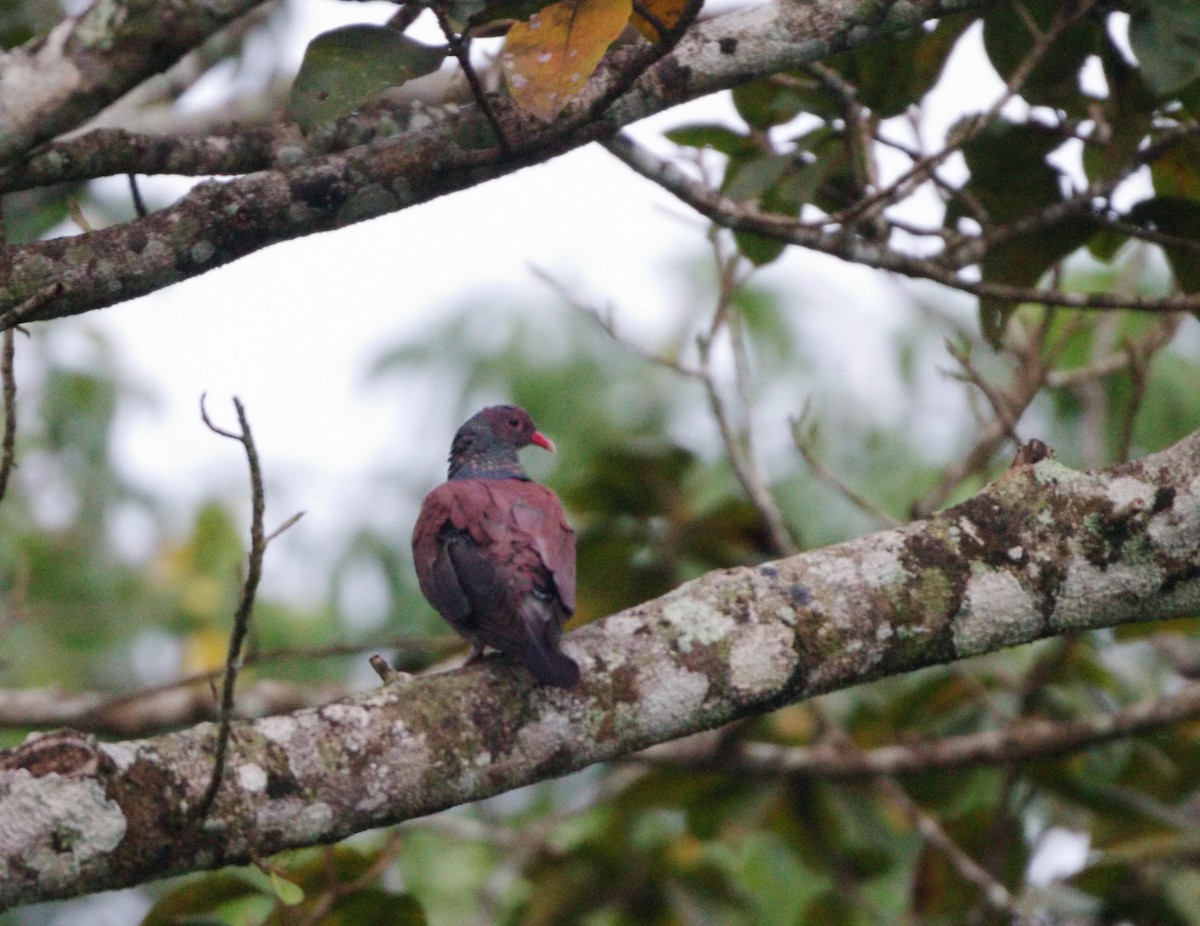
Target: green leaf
[(1054, 81), (289, 892), (758, 249), (766, 103), (1179, 218), (200, 895), (376, 907), (1165, 37), (894, 75), (346, 67), (710, 135), (749, 177), (1011, 179), (1177, 172)]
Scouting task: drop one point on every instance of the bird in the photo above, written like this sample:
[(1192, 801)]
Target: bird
[(493, 551)]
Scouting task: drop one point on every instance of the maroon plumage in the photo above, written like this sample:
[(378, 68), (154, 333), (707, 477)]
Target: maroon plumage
[(493, 551)]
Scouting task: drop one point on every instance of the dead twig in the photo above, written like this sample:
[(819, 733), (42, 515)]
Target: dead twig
[(9, 441), (802, 437), (460, 47), (241, 618)]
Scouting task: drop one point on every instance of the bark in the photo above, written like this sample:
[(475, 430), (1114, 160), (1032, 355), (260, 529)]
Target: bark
[(1043, 551), (383, 163), (57, 81)]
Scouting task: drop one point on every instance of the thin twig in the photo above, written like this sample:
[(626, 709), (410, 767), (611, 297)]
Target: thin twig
[(139, 204), (241, 618), (605, 319), (125, 714), (8, 376), (995, 893), (998, 401), (8, 381), (741, 216), (1149, 343), (1138, 381), (803, 442), (460, 47), (1022, 740), (915, 175), (739, 441), (339, 889), (284, 526)]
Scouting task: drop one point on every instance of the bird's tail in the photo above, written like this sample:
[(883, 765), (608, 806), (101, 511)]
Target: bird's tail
[(549, 664)]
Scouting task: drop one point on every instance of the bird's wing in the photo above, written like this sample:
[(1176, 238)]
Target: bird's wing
[(537, 516), (435, 571)]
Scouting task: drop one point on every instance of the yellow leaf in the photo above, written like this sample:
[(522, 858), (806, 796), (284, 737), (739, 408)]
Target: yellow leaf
[(667, 14), (204, 650), (548, 59)]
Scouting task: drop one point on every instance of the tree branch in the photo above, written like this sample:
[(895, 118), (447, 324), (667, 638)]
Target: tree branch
[(740, 216), (219, 222), (1043, 551), (189, 700), (1025, 740), (57, 81)]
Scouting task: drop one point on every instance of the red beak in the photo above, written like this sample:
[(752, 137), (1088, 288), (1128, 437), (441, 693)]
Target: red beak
[(542, 441)]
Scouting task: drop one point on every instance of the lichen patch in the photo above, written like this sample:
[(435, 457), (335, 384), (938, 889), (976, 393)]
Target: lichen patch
[(122, 754), (82, 821), (762, 659), (669, 693), (350, 715), (252, 778), (296, 821), (696, 623), (1094, 596), (279, 729), (996, 611)]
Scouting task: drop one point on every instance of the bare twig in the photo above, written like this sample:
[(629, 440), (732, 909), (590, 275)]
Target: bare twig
[(995, 893), (9, 380), (154, 708), (151, 712), (923, 168), (1021, 741), (338, 889), (139, 204), (385, 670), (739, 441), (241, 618), (1149, 343), (1139, 379), (740, 216), (998, 401), (460, 47), (802, 438)]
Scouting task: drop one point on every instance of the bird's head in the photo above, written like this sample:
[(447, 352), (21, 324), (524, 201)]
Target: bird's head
[(487, 443)]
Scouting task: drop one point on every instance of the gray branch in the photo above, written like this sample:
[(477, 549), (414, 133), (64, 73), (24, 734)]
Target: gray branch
[(219, 222), (1043, 551), (57, 81)]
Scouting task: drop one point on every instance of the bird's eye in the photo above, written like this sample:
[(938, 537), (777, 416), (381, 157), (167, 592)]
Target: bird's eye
[(514, 422)]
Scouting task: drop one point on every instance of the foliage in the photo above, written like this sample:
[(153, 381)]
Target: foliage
[(1060, 184)]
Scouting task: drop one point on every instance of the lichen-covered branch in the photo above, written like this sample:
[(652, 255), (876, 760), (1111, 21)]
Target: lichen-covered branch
[(1043, 551), (398, 167), (57, 81)]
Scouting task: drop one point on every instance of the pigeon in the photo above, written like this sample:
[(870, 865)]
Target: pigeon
[(493, 550)]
